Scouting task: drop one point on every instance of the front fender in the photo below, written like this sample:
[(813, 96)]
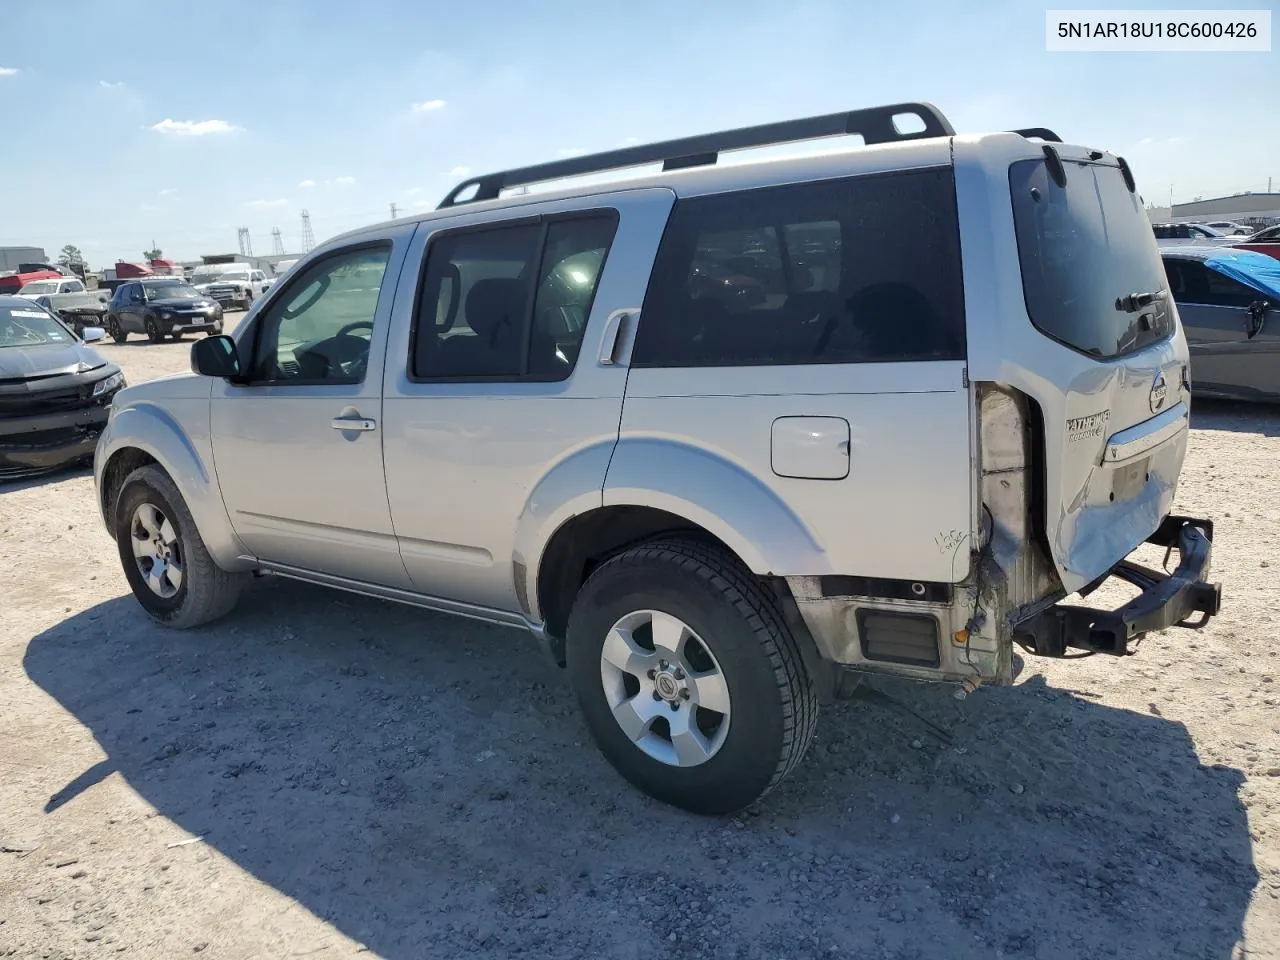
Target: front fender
[(721, 497), (186, 455)]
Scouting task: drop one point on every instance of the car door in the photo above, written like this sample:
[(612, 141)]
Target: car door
[(132, 304), (1215, 314), (510, 385), (298, 445)]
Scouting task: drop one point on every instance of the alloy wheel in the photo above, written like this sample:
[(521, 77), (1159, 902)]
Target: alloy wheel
[(665, 688), (157, 550)]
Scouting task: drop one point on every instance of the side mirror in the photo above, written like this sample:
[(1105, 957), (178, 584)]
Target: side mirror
[(215, 357), (1257, 317), (92, 334)]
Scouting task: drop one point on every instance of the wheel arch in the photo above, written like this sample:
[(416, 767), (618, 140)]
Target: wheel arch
[(147, 434), (585, 541)]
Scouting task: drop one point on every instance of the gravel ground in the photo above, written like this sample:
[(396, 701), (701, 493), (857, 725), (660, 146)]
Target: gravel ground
[(352, 777)]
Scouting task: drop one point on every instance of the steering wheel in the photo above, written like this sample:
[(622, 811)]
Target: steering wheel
[(345, 331)]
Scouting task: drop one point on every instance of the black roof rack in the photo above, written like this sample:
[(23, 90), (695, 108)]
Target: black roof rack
[(875, 124), (1038, 133)]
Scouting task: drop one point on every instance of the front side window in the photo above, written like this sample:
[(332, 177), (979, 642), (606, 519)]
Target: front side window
[(509, 302), (857, 270), (320, 330), (1082, 248)]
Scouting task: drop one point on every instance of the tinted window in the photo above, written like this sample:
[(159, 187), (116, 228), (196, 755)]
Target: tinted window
[(862, 269), (1082, 247), (1193, 282), (510, 302), (320, 330), (75, 286)]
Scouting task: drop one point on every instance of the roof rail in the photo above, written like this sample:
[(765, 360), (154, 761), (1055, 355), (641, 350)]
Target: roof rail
[(1038, 133), (875, 124)]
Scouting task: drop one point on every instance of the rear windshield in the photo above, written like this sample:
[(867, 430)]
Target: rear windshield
[(1083, 247)]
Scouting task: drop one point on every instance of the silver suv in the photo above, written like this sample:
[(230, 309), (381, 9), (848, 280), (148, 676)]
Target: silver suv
[(720, 436)]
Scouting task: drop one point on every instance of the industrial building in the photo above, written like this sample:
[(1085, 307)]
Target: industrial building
[(1260, 209), (10, 257)]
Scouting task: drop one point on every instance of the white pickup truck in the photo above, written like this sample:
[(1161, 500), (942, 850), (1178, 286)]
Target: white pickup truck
[(231, 284)]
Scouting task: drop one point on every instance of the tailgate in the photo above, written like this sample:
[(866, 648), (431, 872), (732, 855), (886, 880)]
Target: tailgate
[(1111, 379)]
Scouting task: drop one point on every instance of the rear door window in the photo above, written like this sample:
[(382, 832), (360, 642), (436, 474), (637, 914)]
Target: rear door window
[(856, 270), (510, 302), (1082, 248)]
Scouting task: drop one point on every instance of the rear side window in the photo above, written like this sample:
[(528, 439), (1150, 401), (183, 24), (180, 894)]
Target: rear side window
[(858, 270), (1083, 247), (1193, 282), (509, 302)]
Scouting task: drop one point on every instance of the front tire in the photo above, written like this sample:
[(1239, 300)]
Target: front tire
[(688, 677), (115, 331), (165, 561), (154, 334)]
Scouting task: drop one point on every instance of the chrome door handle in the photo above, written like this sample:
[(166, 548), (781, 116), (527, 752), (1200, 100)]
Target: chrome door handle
[(353, 423)]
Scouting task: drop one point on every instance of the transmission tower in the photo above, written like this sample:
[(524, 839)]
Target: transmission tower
[(246, 245), (308, 238), (277, 243), (393, 211)]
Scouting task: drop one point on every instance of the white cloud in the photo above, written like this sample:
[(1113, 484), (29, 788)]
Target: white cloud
[(415, 191), (340, 182), (108, 85), (428, 106), (459, 171), (193, 128), (8, 71), (424, 203), (570, 152), (266, 203), (168, 191), (307, 183), (629, 142)]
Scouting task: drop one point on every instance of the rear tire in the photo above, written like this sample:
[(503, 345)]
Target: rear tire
[(738, 655), (181, 586)]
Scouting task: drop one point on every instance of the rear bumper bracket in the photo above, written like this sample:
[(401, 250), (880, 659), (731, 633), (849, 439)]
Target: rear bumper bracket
[(1166, 600)]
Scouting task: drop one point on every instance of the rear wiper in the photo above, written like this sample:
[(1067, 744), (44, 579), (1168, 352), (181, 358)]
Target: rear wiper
[(1136, 301)]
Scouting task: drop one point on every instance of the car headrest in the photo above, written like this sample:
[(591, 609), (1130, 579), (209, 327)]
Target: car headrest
[(493, 302)]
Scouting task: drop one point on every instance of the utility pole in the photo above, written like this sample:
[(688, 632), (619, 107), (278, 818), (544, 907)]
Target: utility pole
[(393, 211)]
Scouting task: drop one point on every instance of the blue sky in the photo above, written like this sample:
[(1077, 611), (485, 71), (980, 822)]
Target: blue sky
[(132, 121)]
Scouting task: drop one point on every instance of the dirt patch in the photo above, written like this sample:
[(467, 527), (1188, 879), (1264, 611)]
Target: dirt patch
[(366, 779)]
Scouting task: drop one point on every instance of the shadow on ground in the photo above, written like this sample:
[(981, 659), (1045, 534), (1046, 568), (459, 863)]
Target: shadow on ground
[(1259, 418), (425, 783), (71, 471)]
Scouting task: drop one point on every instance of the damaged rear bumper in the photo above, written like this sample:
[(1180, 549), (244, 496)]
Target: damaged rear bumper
[(1166, 600)]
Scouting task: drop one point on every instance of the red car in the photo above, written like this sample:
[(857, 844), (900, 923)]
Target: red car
[(1264, 241)]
